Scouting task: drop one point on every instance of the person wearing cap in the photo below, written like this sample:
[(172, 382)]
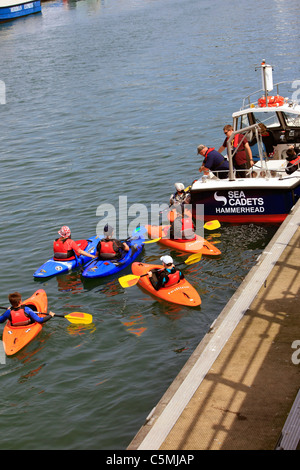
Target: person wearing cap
[(180, 196), (213, 161), (166, 277), (65, 248), (108, 247)]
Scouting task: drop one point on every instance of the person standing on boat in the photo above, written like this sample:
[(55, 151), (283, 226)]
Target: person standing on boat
[(21, 315), (180, 196), (213, 161), (109, 247), (242, 158), (166, 277), (65, 248)]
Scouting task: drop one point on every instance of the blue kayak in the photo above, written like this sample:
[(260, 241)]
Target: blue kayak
[(101, 268), (53, 267)]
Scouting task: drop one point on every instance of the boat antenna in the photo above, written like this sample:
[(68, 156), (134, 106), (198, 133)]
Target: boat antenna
[(267, 78)]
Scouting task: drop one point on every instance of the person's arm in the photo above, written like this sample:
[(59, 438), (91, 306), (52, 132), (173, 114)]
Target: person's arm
[(5, 316), (79, 251), (249, 153), (221, 149), (204, 169), (35, 317)]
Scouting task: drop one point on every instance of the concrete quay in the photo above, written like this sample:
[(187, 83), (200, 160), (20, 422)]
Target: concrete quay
[(239, 390)]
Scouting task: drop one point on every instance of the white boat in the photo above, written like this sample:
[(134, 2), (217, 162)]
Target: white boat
[(268, 193), (12, 9)]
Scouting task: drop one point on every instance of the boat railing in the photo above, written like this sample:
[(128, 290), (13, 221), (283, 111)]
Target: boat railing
[(248, 101), (230, 154)]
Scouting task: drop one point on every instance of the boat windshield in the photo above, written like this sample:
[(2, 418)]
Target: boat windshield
[(292, 120), (270, 119)]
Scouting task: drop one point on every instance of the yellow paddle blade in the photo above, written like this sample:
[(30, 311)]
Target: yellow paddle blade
[(152, 241), (129, 280), (193, 258), (79, 318), (212, 225)]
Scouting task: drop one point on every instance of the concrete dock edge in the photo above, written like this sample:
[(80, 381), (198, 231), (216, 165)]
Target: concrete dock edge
[(164, 429)]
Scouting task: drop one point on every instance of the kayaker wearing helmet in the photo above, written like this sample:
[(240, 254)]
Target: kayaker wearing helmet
[(64, 247), (108, 247), (166, 277), (21, 315), (180, 196)]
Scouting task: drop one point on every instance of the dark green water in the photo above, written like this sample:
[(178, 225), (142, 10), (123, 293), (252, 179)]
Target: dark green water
[(107, 99)]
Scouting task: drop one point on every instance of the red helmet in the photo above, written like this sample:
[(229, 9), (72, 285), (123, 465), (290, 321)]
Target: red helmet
[(65, 232)]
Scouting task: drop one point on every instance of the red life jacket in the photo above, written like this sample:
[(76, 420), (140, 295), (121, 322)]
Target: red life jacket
[(61, 252), (18, 316), (208, 151), (107, 246), (187, 223), (107, 249), (293, 165), (174, 278)]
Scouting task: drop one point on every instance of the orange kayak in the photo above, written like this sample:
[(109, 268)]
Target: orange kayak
[(16, 337), (198, 245), (182, 293)]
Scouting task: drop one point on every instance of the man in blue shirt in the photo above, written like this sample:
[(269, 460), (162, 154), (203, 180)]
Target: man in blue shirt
[(213, 161)]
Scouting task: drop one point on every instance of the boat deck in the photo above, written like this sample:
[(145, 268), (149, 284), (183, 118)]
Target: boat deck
[(240, 388)]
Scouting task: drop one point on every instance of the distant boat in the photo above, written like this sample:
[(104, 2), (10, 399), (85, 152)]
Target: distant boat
[(12, 9), (268, 195)]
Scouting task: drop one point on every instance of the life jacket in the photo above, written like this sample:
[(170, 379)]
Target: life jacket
[(293, 165), (19, 317), (61, 252), (208, 151), (107, 249), (173, 278)]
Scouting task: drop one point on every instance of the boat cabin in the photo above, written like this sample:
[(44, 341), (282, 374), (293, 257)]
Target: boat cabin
[(281, 118)]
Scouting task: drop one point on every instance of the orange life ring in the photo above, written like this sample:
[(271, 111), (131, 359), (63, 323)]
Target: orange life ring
[(273, 101)]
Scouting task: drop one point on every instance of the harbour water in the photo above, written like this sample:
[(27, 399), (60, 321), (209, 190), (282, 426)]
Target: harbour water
[(105, 99)]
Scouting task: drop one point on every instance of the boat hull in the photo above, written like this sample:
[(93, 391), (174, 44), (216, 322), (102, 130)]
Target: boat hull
[(182, 293), (16, 10), (17, 337), (247, 205)]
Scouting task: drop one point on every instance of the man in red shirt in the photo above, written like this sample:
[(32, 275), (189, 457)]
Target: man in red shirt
[(242, 159), (64, 247)]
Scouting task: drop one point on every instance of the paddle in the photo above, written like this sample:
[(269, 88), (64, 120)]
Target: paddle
[(131, 279), (74, 317), (212, 225), (152, 241)]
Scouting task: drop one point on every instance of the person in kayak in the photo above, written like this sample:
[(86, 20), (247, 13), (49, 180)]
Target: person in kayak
[(109, 247), (213, 161), (20, 315), (166, 277), (181, 224), (180, 196), (65, 248)]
